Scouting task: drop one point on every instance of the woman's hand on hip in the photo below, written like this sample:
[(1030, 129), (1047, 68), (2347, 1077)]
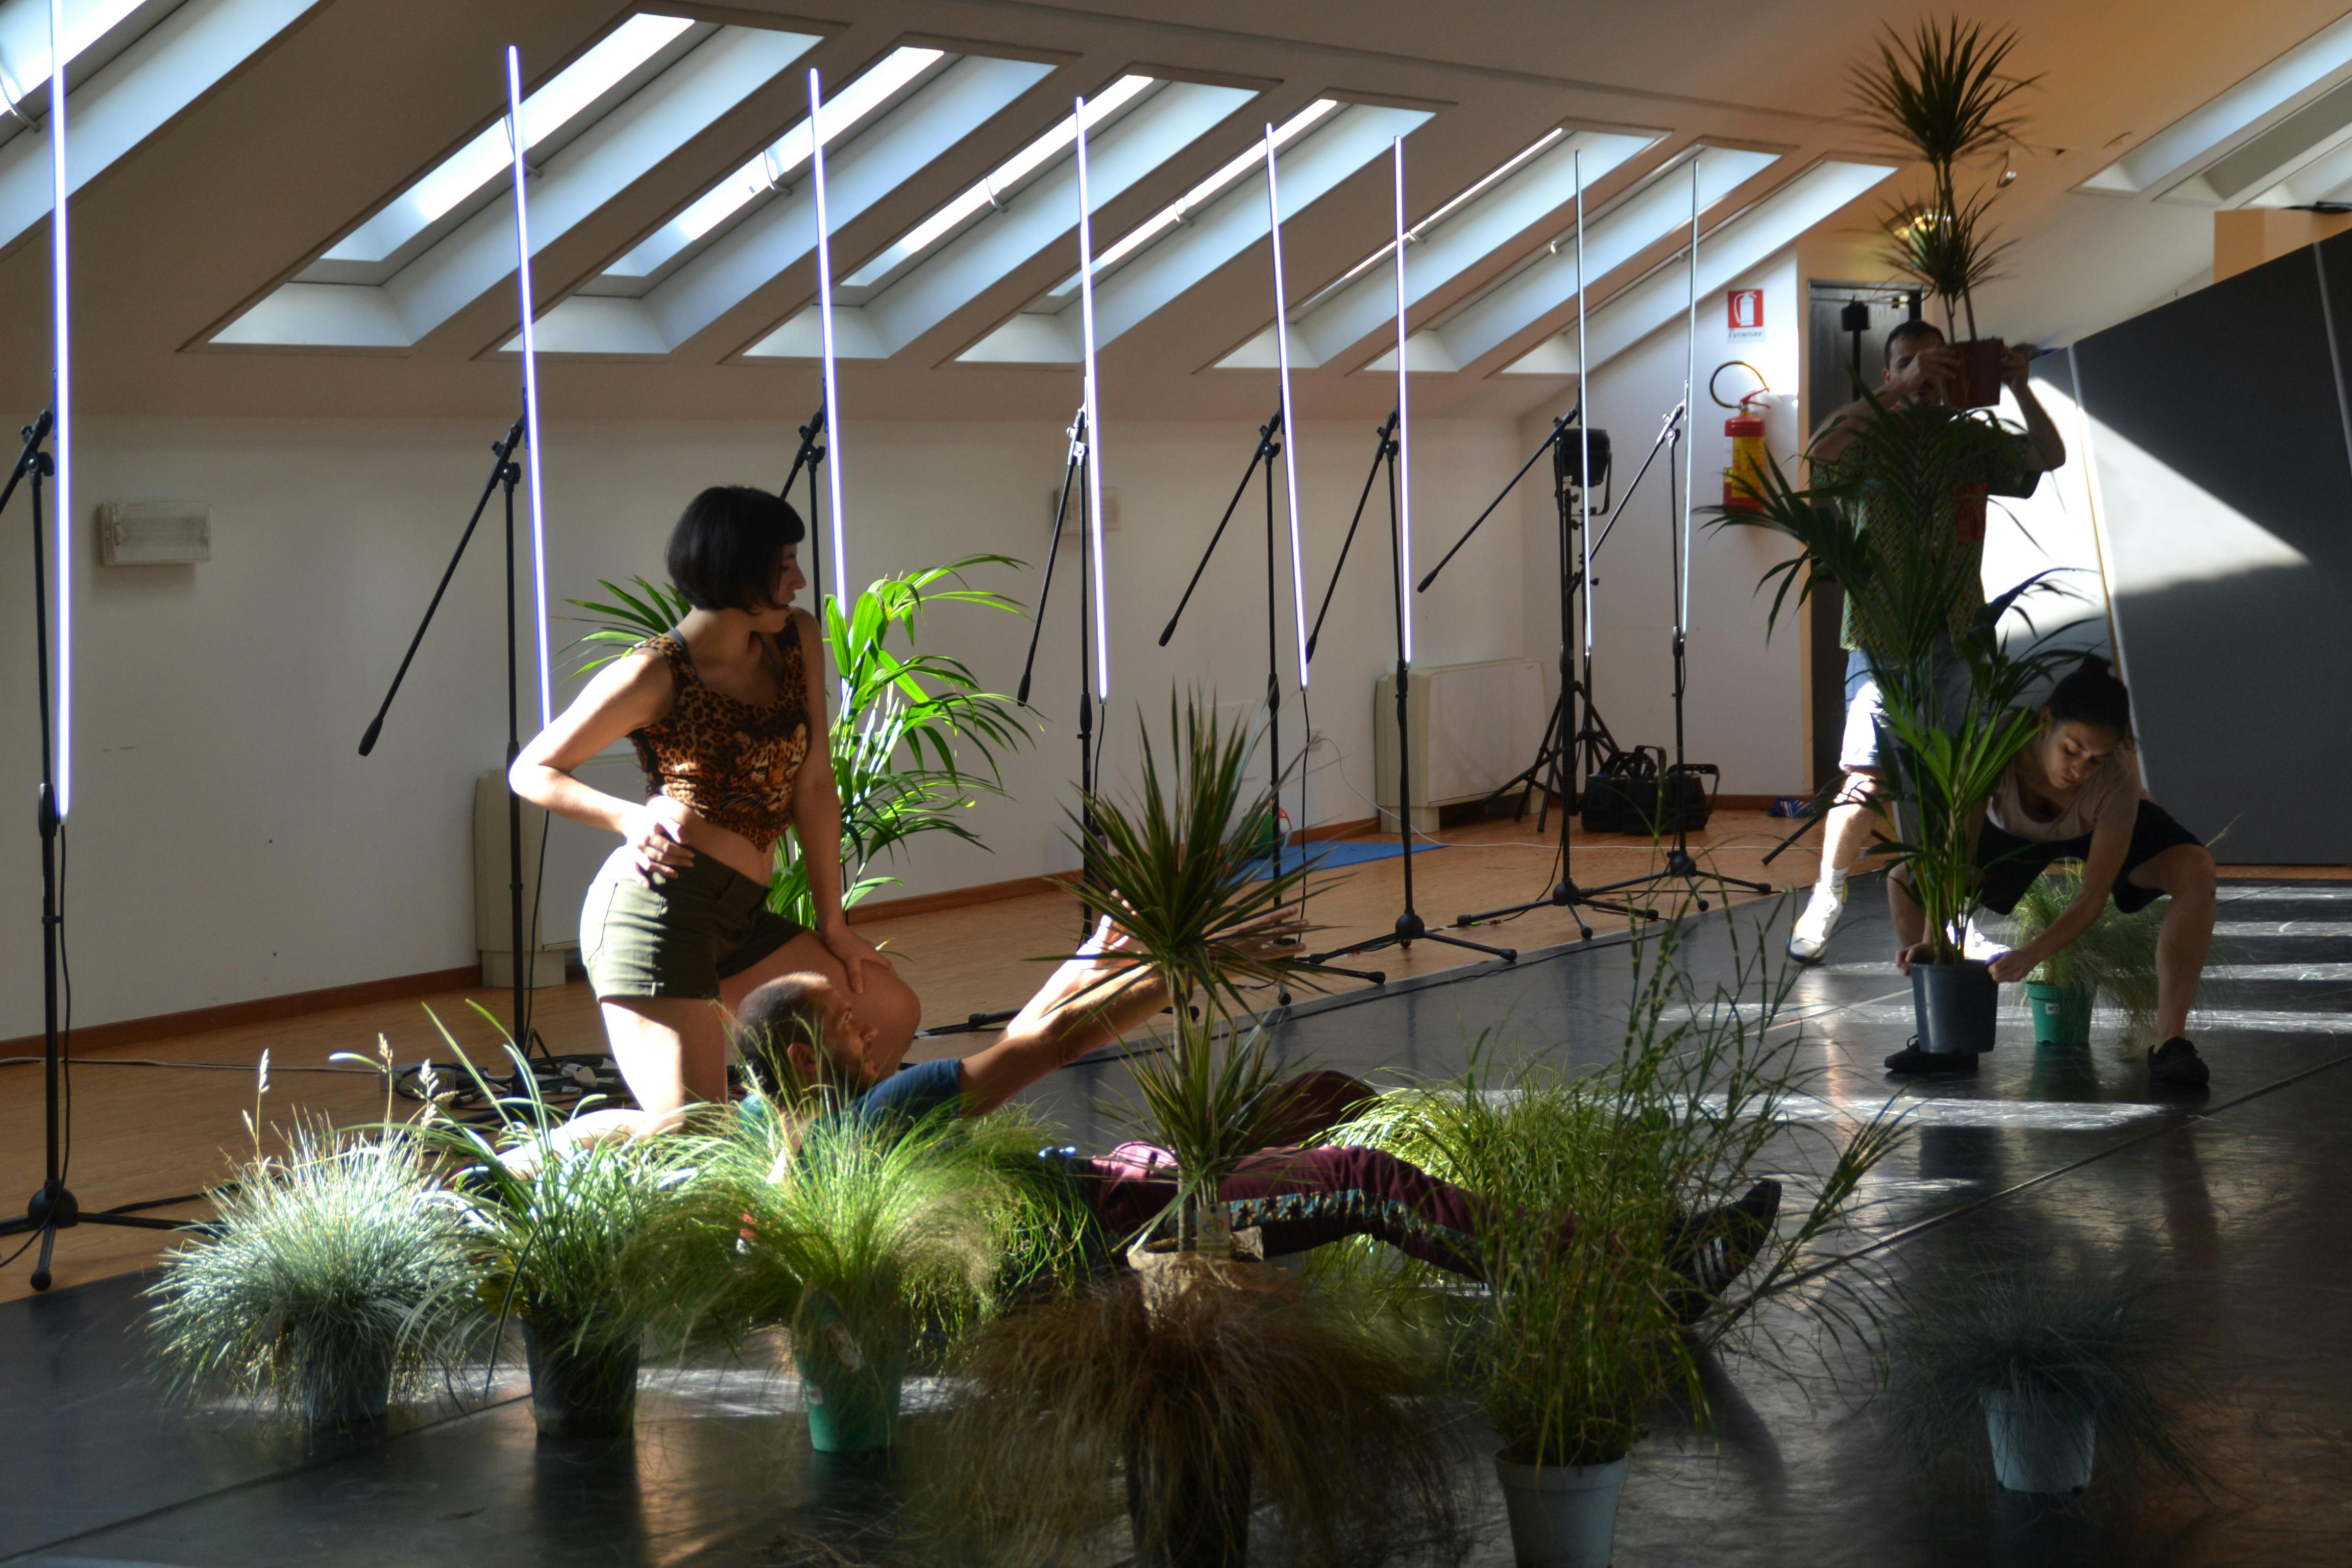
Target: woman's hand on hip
[(854, 951), (655, 834)]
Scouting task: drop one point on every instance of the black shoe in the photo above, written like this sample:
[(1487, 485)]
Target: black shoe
[(1710, 1249), (2176, 1065), (1913, 1062)]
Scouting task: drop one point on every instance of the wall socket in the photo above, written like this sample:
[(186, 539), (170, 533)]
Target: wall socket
[(1077, 505)]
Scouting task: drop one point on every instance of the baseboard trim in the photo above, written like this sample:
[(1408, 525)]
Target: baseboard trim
[(90, 1037), (1022, 887)]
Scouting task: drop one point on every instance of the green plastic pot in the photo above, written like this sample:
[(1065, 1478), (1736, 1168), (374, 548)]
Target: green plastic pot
[(2062, 1013), (852, 1411)]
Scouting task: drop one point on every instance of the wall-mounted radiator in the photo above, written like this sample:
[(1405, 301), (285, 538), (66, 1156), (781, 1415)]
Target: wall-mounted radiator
[(1472, 726)]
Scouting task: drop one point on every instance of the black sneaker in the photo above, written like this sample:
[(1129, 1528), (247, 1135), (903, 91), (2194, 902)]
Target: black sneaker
[(2176, 1065), (1710, 1249), (1913, 1062)]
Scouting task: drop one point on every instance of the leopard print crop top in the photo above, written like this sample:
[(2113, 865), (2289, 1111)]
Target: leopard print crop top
[(734, 764)]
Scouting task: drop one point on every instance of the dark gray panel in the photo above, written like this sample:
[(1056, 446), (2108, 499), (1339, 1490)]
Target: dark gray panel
[(2218, 432)]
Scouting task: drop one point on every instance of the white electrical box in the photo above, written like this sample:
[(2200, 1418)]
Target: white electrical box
[(153, 534)]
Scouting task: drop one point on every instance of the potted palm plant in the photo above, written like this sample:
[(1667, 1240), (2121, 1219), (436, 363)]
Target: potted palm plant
[(333, 1276), (1586, 1326), (2115, 960), (914, 745), (2053, 1368), (1940, 96), (1900, 480), (1203, 1387), (565, 1237)]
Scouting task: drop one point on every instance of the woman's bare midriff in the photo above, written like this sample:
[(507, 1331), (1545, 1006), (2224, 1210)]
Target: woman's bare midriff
[(731, 848)]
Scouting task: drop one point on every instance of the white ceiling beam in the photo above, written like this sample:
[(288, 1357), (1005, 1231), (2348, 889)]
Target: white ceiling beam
[(1169, 267)]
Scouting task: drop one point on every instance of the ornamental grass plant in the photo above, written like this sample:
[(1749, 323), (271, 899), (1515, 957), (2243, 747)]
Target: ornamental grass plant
[(2115, 957), (333, 1278), (1598, 1193)]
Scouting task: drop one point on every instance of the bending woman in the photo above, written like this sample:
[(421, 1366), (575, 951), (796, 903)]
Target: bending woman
[(2074, 793), (728, 715)]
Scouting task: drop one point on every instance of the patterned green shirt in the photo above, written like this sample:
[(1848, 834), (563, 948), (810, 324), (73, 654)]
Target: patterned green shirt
[(1958, 551)]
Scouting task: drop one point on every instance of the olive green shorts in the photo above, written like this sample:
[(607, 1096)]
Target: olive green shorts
[(678, 938)]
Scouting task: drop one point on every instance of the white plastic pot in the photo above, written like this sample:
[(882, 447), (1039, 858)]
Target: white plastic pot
[(1562, 1516), (2038, 1449)]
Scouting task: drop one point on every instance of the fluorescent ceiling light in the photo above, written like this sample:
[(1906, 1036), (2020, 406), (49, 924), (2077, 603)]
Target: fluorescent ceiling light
[(1414, 234), (24, 37), (1198, 196), (483, 159), (775, 163), (1000, 183)]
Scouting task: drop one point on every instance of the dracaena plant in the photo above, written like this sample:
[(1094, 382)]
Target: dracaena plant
[(915, 747), (1941, 95), (1179, 867), (1873, 523)]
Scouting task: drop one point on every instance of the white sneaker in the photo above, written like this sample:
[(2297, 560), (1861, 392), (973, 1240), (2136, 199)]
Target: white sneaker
[(1977, 946), (1811, 932)]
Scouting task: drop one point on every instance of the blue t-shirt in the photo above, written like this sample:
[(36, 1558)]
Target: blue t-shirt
[(912, 1094)]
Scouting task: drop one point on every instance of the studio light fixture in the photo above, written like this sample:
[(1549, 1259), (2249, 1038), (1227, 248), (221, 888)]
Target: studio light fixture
[(1094, 410), (530, 388), (1289, 425), (832, 385), (61, 395), (1404, 430)]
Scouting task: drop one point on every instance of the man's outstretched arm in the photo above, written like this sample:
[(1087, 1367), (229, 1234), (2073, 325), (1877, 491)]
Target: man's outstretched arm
[(1090, 1001)]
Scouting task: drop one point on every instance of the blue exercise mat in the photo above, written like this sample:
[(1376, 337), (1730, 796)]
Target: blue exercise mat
[(1324, 857)]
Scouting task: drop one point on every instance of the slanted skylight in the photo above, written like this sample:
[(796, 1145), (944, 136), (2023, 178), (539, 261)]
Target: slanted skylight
[(1491, 218), (131, 65), (1252, 160), (776, 163), (1002, 182), (480, 163), (2171, 163)]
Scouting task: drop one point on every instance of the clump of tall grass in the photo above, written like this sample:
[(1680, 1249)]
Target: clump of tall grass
[(2115, 957), (333, 1278)]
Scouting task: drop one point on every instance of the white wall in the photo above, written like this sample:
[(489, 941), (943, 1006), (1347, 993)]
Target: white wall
[(1744, 709), (229, 843)]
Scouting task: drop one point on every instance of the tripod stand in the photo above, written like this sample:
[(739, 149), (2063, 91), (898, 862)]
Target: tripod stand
[(1270, 436), (810, 457), (53, 1208), (1566, 744), (505, 474), (1410, 927)]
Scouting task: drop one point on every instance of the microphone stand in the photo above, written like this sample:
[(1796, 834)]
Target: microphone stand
[(505, 474), (1565, 743), (1079, 456), (1410, 927), (1270, 436), (811, 457), (54, 1208)]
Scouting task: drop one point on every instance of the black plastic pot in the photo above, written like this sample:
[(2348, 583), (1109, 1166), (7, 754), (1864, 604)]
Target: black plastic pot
[(351, 1393), (575, 1394), (1957, 1004), (1212, 1531)]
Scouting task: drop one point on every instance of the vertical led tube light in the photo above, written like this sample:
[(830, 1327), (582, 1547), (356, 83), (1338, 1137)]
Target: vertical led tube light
[(1690, 413), (1583, 412), (530, 384), (1290, 427), (831, 384), (1404, 446), (61, 395), (1094, 409)]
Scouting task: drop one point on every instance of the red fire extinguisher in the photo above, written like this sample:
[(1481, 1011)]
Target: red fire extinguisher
[(1743, 482)]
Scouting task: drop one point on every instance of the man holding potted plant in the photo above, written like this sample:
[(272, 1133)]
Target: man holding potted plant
[(1921, 368)]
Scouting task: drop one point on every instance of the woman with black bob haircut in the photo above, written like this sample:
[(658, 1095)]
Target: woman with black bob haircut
[(727, 711), (2074, 793)]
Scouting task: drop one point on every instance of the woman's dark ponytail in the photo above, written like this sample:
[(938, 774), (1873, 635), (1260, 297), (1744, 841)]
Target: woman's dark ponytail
[(2091, 694)]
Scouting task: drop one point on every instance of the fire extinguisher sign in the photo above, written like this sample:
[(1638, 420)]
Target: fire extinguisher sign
[(1744, 314)]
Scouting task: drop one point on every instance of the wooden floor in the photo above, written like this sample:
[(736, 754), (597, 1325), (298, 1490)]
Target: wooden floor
[(143, 1132)]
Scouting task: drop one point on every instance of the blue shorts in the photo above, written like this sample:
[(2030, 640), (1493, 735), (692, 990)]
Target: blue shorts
[(1867, 729)]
